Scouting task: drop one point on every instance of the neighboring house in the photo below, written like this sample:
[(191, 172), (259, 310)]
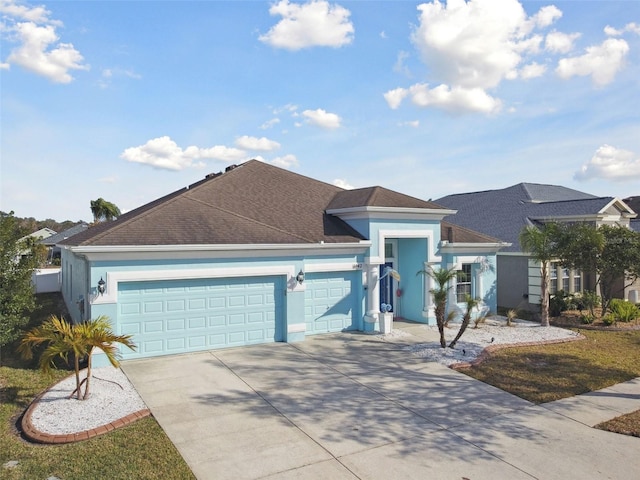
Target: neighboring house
[(37, 237), (51, 242), (260, 254), (505, 212), (634, 204)]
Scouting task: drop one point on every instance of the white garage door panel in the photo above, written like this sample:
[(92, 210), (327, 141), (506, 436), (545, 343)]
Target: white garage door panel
[(187, 315), (331, 304)]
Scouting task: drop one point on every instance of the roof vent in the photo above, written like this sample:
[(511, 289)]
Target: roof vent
[(213, 175), (229, 168)]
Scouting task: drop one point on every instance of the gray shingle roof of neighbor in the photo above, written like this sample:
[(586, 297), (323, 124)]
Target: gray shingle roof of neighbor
[(69, 232), (456, 234), (503, 213)]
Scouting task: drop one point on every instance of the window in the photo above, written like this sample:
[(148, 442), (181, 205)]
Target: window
[(577, 281), (463, 286), (565, 279), (553, 278)]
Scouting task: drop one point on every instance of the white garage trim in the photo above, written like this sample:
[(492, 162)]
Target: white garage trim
[(113, 278)]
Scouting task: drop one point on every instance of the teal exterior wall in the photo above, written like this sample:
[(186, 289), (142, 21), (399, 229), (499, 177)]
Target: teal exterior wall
[(484, 274)]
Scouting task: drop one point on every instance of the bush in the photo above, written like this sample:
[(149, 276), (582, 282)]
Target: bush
[(587, 319), (623, 311), (587, 300), (560, 302), (608, 319)]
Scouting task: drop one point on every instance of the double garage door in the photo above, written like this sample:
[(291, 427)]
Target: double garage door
[(178, 316)]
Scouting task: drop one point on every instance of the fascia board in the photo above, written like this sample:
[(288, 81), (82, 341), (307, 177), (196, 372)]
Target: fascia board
[(473, 247), (391, 213), (128, 252)]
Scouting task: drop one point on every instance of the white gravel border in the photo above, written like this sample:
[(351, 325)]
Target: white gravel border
[(111, 397), (475, 340)]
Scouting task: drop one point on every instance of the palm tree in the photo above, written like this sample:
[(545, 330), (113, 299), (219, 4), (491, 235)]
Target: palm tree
[(471, 303), (103, 210), (441, 277), (63, 338), (541, 244)]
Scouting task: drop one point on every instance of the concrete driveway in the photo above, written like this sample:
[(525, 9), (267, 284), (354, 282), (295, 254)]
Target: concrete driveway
[(350, 406)]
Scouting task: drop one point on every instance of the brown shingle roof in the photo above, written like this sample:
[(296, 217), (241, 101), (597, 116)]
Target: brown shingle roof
[(457, 234), (377, 197), (254, 203)]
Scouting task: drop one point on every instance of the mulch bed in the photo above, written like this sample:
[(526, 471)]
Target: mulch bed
[(571, 319)]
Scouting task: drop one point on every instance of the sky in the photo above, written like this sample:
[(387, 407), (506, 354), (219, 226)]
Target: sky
[(132, 100)]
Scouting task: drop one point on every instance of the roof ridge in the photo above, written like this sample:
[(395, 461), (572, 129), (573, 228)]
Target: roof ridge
[(249, 219)]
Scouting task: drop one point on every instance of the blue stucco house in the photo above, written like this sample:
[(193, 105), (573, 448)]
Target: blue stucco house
[(259, 254)]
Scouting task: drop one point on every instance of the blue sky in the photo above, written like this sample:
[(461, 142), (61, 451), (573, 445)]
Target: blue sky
[(130, 100)]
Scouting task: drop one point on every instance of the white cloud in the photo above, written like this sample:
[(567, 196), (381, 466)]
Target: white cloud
[(400, 66), (39, 49), (412, 123), (395, 97), (471, 47), (253, 143), (629, 27), (37, 14), (164, 153), (108, 74), (611, 163), (339, 182), (475, 44), (452, 99), (323, 119), (5, 66), (532, 70), (269, 123), (601, 62), (558, 42), (316, 23), (286, 161)]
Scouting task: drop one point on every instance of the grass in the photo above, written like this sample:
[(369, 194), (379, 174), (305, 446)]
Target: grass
[(550, 372), (138, 451)]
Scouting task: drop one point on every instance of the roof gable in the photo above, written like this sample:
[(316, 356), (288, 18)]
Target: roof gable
[(377, 197)]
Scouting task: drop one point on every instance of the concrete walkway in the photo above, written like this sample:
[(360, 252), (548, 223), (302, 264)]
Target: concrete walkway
[(349, 406)]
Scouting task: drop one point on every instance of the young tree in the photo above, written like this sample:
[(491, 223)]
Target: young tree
[(440, 292), (17, 298), (63, 338), (471, 303), (541, 244), (612, 253), (104, 211)]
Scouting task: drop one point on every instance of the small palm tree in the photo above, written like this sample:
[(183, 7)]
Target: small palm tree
[(63, 338), (541, 244), (440, 292), (471, 303)]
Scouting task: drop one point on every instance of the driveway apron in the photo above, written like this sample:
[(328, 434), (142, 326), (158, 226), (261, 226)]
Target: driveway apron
[(346, 406)]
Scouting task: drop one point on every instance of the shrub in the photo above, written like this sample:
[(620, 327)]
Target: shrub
[(560, 302), (587, 319), (623, 311), (608, 319), (587, 300)]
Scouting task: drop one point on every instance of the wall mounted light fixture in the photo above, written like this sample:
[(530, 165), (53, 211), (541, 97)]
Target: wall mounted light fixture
[(300, 277), (101, 286)]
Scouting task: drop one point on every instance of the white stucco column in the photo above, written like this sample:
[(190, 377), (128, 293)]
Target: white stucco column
[(428, 308), (479, 287), (373, 293)]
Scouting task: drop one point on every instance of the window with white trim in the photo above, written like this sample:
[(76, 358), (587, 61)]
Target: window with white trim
[(553, 278), (565, 279), (577, 281), (463, 285)]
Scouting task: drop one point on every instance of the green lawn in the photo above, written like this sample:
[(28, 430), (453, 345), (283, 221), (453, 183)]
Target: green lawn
[(550, 372), (138, 451)]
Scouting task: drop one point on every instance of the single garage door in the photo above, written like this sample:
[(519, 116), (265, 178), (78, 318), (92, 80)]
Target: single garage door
[(331, 302), (178, 316)]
